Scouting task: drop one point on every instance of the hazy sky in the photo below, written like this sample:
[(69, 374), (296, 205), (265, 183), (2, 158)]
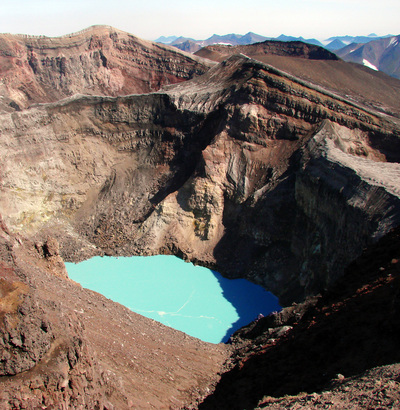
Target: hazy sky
[(153, 18)]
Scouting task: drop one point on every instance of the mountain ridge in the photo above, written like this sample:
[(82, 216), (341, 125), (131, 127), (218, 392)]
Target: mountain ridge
[(381, 54), (249, 38), (96, 60)]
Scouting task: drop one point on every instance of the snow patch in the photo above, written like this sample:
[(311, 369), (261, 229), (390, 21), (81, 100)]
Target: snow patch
[(393, 41), (220, 43), (369, 65)]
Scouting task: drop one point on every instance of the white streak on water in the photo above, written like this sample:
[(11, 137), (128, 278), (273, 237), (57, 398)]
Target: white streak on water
[(189, 298), (176, 313), (162, 313)]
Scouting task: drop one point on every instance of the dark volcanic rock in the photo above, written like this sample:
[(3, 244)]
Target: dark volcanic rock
[(361, 84), (25, 331), (330, 342), (288, 48)]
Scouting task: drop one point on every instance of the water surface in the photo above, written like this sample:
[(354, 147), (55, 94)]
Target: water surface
[(193, 299)]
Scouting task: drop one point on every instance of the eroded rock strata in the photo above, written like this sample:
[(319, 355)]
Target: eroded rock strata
[(246, 169), (316, 65), (100, 60), (296, 49)]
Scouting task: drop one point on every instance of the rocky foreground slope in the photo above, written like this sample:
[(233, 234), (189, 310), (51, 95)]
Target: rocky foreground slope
[(62, 346), (246, 169)]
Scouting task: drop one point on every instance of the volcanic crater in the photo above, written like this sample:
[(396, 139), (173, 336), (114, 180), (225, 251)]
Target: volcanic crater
[(276, 164)]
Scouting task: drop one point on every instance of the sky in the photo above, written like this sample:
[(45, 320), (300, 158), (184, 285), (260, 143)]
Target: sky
[(153, 18)]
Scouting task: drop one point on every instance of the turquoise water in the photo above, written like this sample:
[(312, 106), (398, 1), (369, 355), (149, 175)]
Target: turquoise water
[(195, 300)]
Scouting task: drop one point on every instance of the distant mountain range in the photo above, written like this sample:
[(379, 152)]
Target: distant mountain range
[(192, 45), (382, 54), (376, 52), (338, 42), (356, 39)]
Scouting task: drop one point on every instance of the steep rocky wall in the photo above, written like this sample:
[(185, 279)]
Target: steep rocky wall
[(330, 351), (245, 169), (99, 61)]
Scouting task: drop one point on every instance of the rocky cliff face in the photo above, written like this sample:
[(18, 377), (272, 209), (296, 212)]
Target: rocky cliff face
[(98, 61), (244, 169)]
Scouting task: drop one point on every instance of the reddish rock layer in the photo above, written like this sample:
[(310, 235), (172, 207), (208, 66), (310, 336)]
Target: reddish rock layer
[(246, 168), (98, 61)]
